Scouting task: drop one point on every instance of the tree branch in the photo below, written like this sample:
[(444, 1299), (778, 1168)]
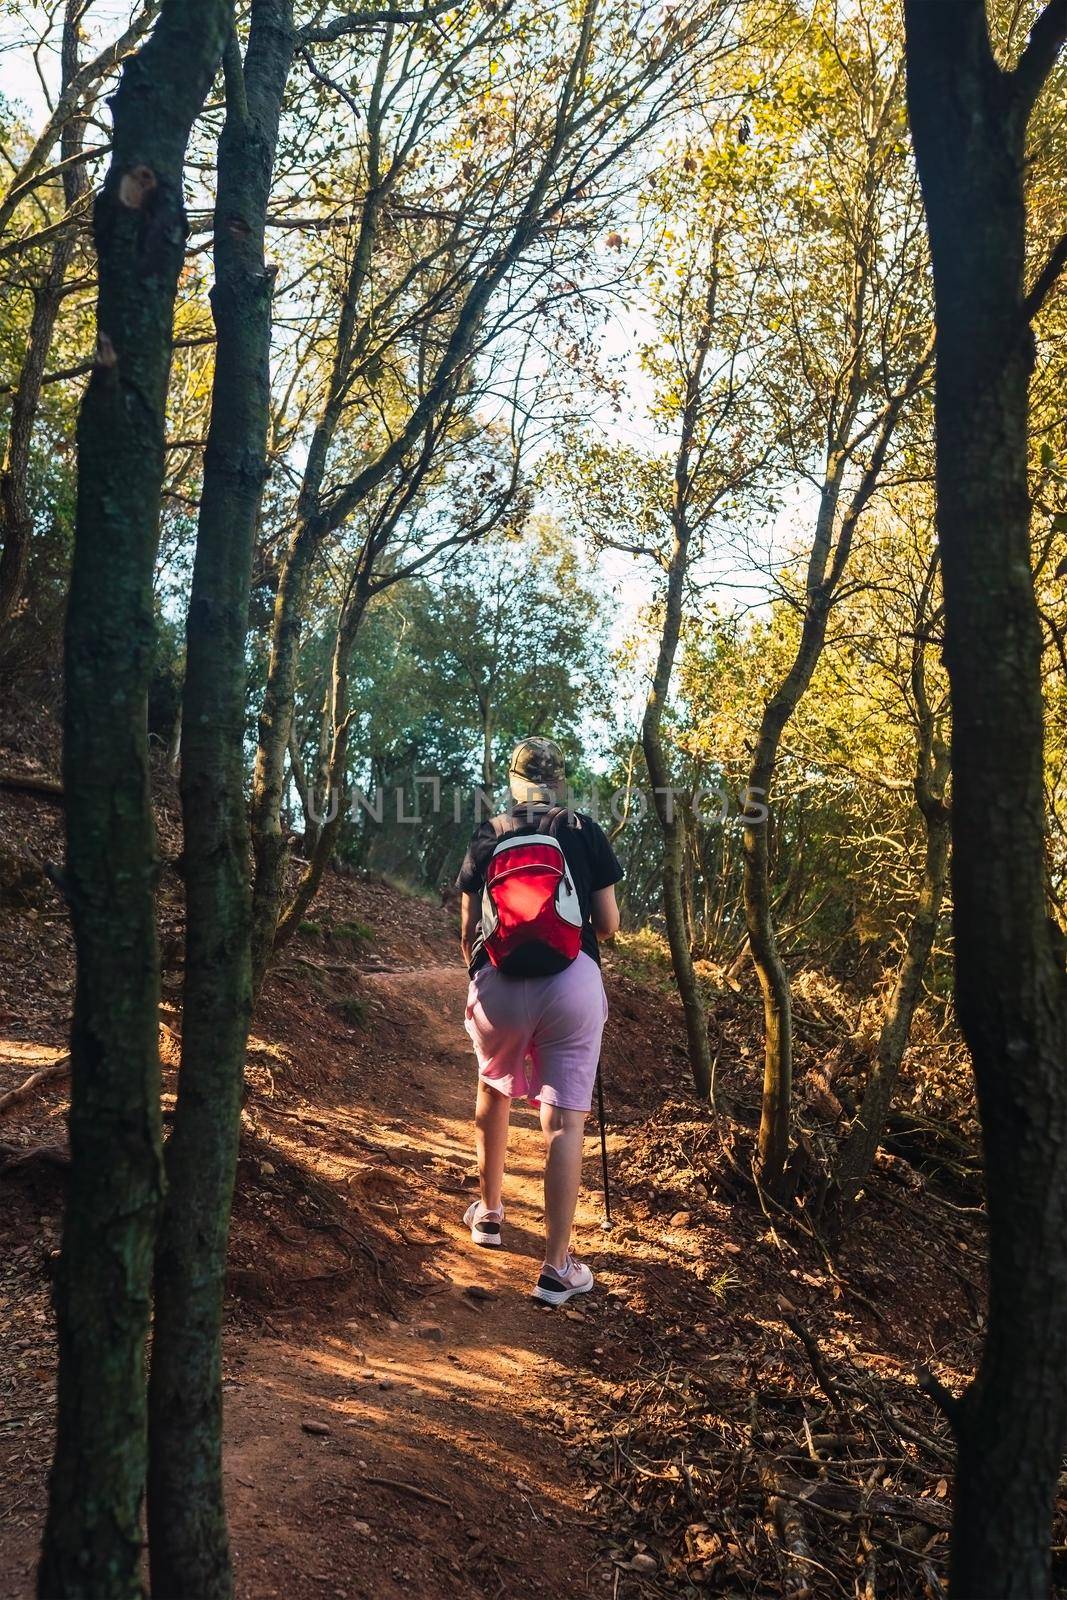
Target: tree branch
[(67, 104), (79, 371), (1047, 38), (950, 1405), (233, 73), (1046, 279), (362, 21)]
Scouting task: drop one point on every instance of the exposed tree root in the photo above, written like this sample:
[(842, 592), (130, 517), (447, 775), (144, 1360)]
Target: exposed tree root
[(44, 1075)]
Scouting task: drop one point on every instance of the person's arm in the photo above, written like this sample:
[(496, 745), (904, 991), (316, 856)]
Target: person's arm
[(470, 912), (606, 871), (604, 912), (470, 883)]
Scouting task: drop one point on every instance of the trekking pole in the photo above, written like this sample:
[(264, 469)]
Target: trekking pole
[(607, 1224)]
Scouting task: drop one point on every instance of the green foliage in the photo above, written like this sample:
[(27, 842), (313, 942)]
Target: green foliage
[(168, 673), (643, 955), (447, 674), (352, 1009)]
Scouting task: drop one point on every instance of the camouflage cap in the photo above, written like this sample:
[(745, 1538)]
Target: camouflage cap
[(539, 761)]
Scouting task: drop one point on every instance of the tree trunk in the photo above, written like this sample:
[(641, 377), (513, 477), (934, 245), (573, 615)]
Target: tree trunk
[(318, 516), (689, 868), (186, 1513), (969, 120), (696, 1022), (488, 764), (858, 1149), (276, 713), (275, 727), (92, 1537), (756, 874), (16, 523), (830, 551), (334, 774), (174, 745)]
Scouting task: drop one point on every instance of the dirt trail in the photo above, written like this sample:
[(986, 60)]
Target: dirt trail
[(462, 1399), (388, 1433)]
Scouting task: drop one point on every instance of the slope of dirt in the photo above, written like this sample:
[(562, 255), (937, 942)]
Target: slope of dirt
[(732, 1412)]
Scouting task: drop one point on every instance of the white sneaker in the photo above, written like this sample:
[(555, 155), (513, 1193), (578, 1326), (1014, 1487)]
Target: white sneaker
[(484, 1224), (556, 1285)]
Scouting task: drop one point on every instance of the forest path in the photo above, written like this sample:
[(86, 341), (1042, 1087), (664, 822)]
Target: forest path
[(462, 1402)]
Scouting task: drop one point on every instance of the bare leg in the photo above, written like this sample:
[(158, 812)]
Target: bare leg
[(491, 1113), (563, 1133)]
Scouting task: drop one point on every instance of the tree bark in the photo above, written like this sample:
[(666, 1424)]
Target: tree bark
[(696, 1022), (275, 728), (189, 1544), (92, 1537), (16, 521), (969, 118)]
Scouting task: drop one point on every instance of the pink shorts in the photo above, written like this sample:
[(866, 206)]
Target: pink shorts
[(539, 1037)]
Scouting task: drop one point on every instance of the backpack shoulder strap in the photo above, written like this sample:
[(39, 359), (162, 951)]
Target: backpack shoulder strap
[(554, 816)]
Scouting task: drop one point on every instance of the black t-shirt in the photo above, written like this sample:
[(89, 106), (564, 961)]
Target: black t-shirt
[(593, 864)]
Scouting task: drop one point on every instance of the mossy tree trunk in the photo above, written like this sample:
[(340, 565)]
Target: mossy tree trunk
[(186, 1512), (969, 118), (92, 1537)]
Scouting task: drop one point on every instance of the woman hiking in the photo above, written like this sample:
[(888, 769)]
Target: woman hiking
[(538, 893)]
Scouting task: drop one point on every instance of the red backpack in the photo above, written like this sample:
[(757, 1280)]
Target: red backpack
[(531, 918)]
